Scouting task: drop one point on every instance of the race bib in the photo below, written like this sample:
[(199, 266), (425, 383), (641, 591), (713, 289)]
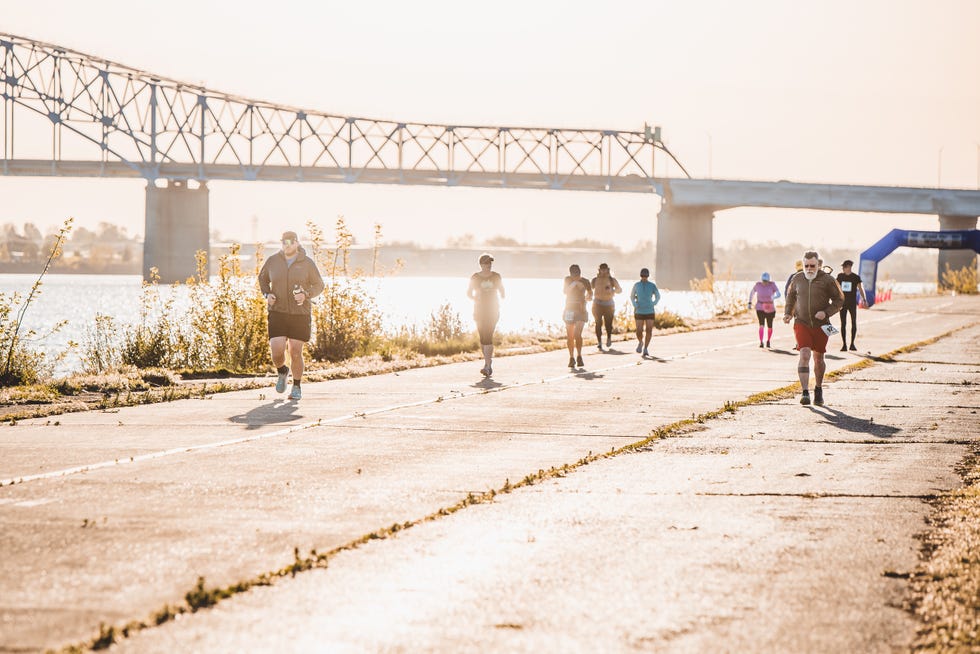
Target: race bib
[(829, 330), (846, 286)]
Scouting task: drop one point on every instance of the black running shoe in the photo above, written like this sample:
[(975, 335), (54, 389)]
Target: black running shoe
[(768, 344), (844, 348), (852, 347), (571, 362), (579, 362), (805, 400), (760, 344), (818, 396)]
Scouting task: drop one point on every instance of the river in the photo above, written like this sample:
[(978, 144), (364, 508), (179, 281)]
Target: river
[(532, 304)]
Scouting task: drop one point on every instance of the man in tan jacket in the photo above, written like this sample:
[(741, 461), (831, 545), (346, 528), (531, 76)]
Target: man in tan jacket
[(813, 296)]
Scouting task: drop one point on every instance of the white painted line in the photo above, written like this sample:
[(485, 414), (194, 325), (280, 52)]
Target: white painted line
[(456, 395)]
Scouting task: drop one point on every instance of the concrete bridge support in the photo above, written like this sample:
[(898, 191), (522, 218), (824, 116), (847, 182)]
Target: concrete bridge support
[(956, 259), (176, 228), (684, 245)]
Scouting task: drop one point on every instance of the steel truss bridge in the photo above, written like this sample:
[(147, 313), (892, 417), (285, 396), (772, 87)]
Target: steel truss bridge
[(109, 120), (70, 114)]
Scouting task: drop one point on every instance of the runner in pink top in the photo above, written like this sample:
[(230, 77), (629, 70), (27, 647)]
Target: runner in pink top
[(765, 293)]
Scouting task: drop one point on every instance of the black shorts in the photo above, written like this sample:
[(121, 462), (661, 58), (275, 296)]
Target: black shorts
[(290, 325), (645, 316)]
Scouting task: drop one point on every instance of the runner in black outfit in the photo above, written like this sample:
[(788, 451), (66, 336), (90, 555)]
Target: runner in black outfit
[(850, 283)]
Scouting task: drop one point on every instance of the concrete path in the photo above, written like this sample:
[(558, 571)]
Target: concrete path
[(768, 530)]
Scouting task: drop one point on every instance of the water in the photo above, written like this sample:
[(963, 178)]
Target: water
[(532, 304)]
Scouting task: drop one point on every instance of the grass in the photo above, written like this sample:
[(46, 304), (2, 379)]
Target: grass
[(945, 586)]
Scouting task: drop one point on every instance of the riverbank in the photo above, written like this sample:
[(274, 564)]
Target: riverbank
[(132, 387)]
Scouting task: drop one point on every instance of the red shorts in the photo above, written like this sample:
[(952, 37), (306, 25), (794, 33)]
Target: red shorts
[(811, 337)]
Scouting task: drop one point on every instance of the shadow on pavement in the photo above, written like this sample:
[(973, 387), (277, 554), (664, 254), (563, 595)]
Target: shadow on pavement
[(277, 411), (841, 420), (487, 383), (583, 374)]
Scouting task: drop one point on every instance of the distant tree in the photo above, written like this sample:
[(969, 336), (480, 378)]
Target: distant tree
[(502, 241)]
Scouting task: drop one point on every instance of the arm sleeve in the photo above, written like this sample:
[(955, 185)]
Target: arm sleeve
[(265, 284), (790, 299), (314, 282)]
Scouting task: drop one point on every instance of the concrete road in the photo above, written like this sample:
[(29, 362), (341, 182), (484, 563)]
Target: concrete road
[(768, 530)]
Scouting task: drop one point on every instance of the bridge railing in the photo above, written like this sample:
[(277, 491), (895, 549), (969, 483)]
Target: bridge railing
[(102, 111)]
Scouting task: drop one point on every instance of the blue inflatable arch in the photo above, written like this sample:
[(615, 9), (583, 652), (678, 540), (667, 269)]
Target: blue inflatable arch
[(946, 240)]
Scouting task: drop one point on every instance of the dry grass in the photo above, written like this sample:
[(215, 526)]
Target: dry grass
[(945, 587)]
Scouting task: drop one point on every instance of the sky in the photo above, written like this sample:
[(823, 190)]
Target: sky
[(879, 92)]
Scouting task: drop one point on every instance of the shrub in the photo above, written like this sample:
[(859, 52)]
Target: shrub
[(21, 363), (721, 297), (100, 346), (962, 281), (346, 320), (623, 322), (156, 341), (227, 318), (444, 324)]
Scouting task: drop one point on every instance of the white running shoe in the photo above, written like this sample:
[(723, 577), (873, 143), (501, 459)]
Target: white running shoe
[(281, 382), (296, 393)]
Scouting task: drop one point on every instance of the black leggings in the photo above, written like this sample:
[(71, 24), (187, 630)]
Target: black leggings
[(603, 314), (853, 310), (765, 317)]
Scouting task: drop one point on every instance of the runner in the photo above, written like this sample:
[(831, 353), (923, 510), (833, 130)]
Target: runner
[(765, 293), (486, 290), (578, 291), (850, 284), (813, 297), (645, 296), (604, 286)]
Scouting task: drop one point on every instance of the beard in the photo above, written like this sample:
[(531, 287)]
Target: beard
[(810, 276)]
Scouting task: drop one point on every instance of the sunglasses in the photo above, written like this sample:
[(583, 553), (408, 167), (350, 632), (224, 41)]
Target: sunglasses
[(288, 241), (813, 266)]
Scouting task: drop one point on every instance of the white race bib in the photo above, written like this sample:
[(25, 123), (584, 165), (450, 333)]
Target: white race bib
[(846, 286), (829, 330)]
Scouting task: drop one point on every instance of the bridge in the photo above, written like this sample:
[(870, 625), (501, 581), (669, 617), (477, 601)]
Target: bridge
[(97, 118)]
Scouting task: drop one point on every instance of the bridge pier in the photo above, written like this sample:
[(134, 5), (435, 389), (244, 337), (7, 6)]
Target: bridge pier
[(685, 243), (956, 259), (176, 228)]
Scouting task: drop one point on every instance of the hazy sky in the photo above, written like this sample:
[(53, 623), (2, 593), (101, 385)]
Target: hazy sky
[(839, 91)]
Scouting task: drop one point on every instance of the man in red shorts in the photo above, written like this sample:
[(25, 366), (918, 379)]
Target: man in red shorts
[(812, 299)]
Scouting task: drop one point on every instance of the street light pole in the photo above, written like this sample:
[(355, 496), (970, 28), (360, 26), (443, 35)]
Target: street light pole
[(939, 168)]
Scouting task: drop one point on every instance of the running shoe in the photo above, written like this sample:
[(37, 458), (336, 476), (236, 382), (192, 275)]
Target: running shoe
[(760, 344), (646, 352), (281, 382), (805, 400), (639, 347), (852, 347), (843, 347), (599, 346), (579, 362), (296, 393), (483, 371), (767, 345), (571, 362), (489, 371), (818, 396), (608, 341)]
